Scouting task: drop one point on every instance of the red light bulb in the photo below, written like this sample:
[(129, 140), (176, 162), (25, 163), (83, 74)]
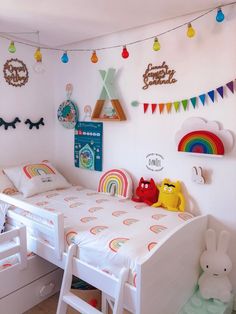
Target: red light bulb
[(125, 53)]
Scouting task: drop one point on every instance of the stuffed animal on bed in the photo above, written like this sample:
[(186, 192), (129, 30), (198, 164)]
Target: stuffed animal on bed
[(170, 196), (146, 192)]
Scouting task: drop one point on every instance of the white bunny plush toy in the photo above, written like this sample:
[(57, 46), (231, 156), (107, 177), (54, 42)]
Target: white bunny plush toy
[(216, 264)]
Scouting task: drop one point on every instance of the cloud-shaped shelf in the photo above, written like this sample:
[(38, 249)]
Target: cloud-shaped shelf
[(200, 137)]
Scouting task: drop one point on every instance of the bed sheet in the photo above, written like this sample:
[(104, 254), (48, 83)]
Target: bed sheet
[(110, 232)]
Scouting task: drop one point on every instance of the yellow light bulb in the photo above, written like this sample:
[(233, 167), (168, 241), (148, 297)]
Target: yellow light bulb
[(191, 31), (94, 58), (38, 55), (156, 45)]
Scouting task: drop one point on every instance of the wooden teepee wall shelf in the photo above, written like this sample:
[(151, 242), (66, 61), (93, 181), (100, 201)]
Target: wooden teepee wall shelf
[(108, 92)]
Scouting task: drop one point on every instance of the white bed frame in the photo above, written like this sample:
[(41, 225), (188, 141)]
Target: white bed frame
[(14, 242), (166, 278)]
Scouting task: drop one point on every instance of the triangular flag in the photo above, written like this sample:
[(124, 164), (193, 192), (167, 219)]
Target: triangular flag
[(154, 107), (202, 98), (145, 107), (211, 94), (176, 105), (168, 107), (185, 104), (230, 86), (220, 90), (193, 101), (161, 107)]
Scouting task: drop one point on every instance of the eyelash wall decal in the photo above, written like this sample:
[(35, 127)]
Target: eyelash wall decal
[(34, 124), (9, 124)]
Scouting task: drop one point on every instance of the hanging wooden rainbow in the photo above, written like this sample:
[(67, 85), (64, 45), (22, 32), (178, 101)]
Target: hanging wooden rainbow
[(116, 182), (201, 142)]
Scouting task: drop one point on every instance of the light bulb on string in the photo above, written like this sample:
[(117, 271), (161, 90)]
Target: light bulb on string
[(220, 15), (12, 48), (38, 55), (191, 31), (38, 66), (64, 58), (125, 53), (94, 57), (156, 45)]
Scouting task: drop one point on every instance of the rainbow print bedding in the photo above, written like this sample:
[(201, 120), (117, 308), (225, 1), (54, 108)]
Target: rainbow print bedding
[(110, 232)]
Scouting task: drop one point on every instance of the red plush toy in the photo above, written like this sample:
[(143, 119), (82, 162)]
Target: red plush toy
[(146, 192)]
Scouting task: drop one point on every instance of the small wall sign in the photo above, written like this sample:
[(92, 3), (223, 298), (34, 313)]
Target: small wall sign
[(158, 75), (15, 72), (154, 162)]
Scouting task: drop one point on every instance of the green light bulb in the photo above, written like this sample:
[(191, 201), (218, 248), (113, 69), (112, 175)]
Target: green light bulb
[(156, 45), (12, 48)]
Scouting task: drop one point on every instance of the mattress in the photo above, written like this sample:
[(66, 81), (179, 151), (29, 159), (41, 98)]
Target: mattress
[(110, 232)]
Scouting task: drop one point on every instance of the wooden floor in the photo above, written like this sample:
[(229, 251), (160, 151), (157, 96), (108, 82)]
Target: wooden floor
[(48, 306)]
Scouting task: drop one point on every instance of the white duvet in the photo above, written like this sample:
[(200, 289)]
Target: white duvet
[(110, 232)]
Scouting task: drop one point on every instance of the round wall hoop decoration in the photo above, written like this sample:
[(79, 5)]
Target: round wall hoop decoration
[(68, 114), (15, 72)]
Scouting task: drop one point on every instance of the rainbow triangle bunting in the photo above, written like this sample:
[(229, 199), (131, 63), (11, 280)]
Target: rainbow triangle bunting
[(185, 104), (194, 101), (145, 107), (202, 98), (230, 86), (154, 107), (176, 105), (211, 94), (168, 107), (161, 107), (220, 90)]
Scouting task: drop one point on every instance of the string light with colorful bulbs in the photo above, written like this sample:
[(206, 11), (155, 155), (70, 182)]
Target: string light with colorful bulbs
[(190, 31), (12, 48), (156, 45), (38, 66), (64, 57), (94, 57), (125, 53), (220, 15), (38, 55)]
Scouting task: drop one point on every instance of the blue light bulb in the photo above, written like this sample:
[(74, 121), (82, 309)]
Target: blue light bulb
[(64, 58), (220, 16)]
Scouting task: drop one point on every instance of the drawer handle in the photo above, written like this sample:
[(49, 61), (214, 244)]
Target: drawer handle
[(47, 289)]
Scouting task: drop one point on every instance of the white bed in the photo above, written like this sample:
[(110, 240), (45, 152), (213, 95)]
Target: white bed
[(164, 268)]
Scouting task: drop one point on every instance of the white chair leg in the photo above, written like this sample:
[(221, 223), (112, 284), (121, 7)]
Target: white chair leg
[(67, 279)]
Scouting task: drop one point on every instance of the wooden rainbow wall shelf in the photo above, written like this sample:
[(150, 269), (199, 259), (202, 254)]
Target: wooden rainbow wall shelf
[(203, 138), (108, 93)]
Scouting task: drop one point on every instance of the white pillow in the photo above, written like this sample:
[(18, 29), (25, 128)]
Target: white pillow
[(6, 185), (31, 179)]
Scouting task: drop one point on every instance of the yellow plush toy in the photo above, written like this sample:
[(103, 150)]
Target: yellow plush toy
[(170, 196)]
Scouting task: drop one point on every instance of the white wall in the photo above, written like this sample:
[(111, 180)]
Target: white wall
[(201, 64), (33, 100)]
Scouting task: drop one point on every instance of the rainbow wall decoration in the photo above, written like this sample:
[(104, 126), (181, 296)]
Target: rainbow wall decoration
[(116, 182), (201, 142), (37, 170)]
